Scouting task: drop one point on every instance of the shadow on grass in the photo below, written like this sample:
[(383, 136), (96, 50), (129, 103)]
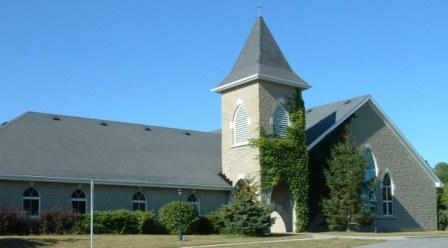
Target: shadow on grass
[(25, 242)]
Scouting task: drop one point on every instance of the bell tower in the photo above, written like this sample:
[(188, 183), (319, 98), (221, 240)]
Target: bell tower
[(260, 81)]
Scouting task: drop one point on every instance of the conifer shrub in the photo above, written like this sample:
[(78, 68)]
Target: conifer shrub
[(216, 219), (175, 213), (245, 215), (344, 178)]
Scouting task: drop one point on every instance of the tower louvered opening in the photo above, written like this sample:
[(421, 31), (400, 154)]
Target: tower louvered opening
[(281, 121), (241, 126)]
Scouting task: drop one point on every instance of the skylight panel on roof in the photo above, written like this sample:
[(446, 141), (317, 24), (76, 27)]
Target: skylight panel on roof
[(148, 129), (56, 118), (347, 102), (104, 124)]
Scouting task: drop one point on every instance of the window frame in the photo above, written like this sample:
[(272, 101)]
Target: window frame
[(387, 199), (236, 142), (372, 193), (139, 202), (31, 199), (78, 199), (197, 203)]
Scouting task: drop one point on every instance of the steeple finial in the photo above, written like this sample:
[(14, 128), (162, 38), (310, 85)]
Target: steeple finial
[(259, 7)]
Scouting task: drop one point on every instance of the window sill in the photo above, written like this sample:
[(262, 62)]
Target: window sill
[(240, 144), (387, 217)]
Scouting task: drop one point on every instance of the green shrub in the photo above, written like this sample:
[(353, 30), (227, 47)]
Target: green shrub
[(149, 223), (245, 214), (344, 176), (119, 222), (216, 219), (173, 212), (443, 219), (202, 225)]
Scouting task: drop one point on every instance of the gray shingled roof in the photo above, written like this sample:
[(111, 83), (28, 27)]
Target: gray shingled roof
[(322, 118), (36, 145), (262, 56)]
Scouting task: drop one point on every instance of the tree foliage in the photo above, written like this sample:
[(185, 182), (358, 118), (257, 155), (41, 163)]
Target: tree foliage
[(441, 170), (285, 160), (344, 178), (245, 214), (174, 213)]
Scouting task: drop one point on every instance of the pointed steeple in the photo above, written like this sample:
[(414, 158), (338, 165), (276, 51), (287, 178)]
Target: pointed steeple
[(261, 58)]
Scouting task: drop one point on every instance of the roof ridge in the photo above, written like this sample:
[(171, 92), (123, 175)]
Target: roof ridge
[(339, 101), (110, 121)]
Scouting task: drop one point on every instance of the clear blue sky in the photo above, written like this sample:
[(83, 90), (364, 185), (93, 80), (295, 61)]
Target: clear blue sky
[(154, 62)]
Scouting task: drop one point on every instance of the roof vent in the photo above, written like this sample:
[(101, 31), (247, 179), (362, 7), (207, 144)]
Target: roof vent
[(4, 123), (56, 118), (104, 124), (147, 129), (309, 110), (187, 133), (348, 101)]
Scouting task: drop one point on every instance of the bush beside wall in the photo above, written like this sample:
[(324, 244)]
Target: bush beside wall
[(119, 222), (172, 213)]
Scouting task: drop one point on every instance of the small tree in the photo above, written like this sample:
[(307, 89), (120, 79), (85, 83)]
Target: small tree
[(245, 214), (344, 178), (441, 170), (169, 217)]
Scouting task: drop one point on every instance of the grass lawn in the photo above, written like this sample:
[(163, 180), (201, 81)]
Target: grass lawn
[(130, 241)]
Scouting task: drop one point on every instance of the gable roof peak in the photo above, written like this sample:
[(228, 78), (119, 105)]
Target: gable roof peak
[(261, 58)]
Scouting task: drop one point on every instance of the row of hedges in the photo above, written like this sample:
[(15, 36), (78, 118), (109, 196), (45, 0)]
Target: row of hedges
[(50, 221), (54, 221)]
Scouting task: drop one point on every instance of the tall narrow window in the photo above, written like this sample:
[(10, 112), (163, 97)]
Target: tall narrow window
[(370, 191), (387, 195), (281, 121), (139, 202), (79, 202), (193, 199), (31, 201), (241, 126)]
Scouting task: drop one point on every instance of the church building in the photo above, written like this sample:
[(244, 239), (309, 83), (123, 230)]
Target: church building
[(49, 160)]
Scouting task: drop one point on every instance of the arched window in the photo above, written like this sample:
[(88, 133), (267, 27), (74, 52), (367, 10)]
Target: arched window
[(79, 201), (193, 199), (240, 126), (387, 195), (281, 121), (370, 193), (31, 201), (139, 202), (371, 165)]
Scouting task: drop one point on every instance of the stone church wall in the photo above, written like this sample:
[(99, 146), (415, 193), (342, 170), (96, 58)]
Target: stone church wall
[(414, 192), (58, 195)]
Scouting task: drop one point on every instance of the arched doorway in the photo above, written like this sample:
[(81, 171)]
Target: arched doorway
[(283, 209)]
